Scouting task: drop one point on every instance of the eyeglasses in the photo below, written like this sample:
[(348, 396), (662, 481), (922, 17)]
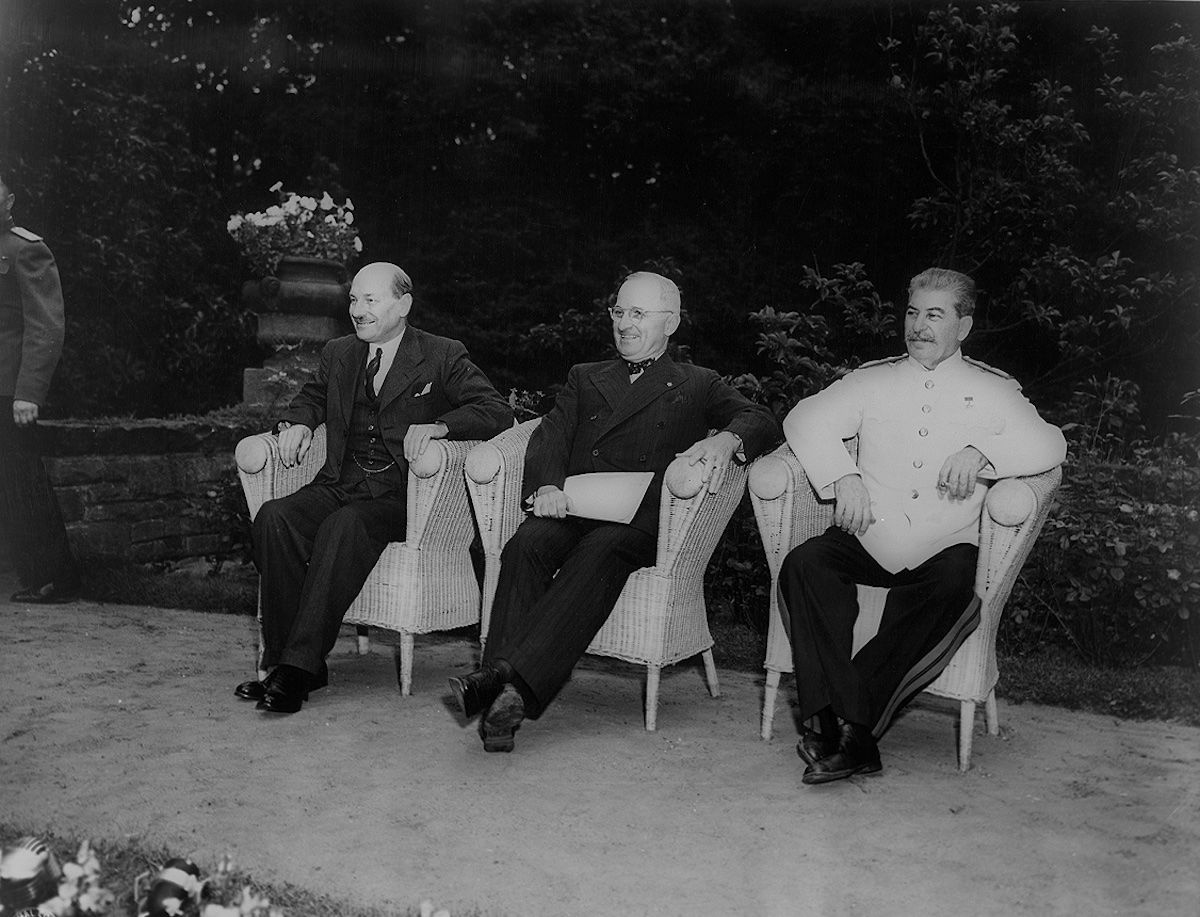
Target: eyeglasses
[(635, 315)]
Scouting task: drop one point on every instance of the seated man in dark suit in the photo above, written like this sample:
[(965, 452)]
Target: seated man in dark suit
[(383, 393), (560, 575)]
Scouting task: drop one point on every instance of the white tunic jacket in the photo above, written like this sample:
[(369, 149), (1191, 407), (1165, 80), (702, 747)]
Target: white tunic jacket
[(909, 420)]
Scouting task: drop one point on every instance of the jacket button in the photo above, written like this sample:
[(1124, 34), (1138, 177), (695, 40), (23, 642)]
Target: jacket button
[(923, 432), (915, 495), (925, 408), (917, 463), (593, 417), (641, 458), (595, 452), (929, 383)]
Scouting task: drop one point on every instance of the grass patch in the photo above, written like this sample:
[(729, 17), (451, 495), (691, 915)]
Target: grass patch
[(1053, 676), (230, 588), (121, 862), (1050, 675)]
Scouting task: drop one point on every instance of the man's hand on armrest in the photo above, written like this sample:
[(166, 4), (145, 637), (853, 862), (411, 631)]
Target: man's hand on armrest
[(716, 452), (960, 472), (550, 503), (418, 436), (294, 441), (852, 506)]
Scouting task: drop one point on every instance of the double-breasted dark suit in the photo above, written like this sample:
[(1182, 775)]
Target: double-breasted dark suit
[(559, 579), (315, 548), (31, 341)]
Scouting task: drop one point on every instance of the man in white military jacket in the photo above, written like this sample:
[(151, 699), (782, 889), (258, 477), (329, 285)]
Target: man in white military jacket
[(933, 428)]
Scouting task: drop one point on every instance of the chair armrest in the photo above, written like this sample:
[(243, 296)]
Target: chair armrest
[(691, 520), (494, 472), (1014, 513), (437, 496), (263, 474), (786, 507)]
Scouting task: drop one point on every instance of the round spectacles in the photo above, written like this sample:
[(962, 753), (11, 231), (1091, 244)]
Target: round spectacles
[(635, 315)]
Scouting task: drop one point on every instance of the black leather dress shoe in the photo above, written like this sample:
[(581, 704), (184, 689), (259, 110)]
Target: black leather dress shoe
[(814, 745), (476, 692), (257, 690), (285, 690), (502, 720), (47, 594), (857, 753)]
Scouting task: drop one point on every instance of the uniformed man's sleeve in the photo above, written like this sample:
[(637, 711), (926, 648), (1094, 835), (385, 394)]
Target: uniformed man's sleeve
[(44, 321), (1022, 443), (816, 427)]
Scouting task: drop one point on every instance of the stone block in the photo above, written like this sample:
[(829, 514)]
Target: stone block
[(147, 530)]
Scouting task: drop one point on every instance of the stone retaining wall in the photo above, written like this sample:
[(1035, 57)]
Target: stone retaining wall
[(147, 490)]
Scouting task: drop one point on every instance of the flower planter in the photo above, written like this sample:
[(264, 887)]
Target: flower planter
[(304, 302), (301, 306)]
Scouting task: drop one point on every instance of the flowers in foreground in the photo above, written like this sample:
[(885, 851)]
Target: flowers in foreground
[(299, 225)]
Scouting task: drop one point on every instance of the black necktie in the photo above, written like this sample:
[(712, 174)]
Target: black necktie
[(372, 372), (635, 368)]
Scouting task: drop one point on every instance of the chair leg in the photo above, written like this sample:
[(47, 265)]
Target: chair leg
[(404, 663), (652, 673), (364, 642), (993, 716), (966, 732), (710, 673), (768, 710)]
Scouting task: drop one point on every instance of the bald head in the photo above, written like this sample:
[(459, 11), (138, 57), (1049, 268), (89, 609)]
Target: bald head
[(380, 300)]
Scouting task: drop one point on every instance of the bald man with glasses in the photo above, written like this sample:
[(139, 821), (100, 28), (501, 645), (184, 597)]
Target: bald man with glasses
[(561, 575)]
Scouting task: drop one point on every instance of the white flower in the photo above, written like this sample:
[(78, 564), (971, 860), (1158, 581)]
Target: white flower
[(274, 211), (349, 205), (326, 201), (348, 219), (219, 910), (357, 244), (235, 223), (309, 203), (276, 186)]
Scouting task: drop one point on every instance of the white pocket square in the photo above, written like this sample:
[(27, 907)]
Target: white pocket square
[(424, 391)]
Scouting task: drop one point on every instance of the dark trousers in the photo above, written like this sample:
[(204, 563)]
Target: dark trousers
[(314, 549), (559, 580), (929, 612), (29, 512)]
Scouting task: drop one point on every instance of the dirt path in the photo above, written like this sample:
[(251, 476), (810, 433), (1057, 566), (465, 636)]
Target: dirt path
[(120, 721)]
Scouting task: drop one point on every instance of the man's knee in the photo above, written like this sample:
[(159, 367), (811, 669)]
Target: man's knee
[(533, 538), (808, 557)]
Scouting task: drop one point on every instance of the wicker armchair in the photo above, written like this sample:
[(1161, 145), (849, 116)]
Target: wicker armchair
[(424, 583), (660, 617), (788, 513)]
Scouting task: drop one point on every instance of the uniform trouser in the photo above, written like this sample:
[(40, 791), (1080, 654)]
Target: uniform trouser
[(559, 580), (314, 549), (29, 512), (928, 613)]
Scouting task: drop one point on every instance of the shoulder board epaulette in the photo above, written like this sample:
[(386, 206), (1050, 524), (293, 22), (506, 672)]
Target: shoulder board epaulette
[(883, 362), (978, 364), (26, 234)]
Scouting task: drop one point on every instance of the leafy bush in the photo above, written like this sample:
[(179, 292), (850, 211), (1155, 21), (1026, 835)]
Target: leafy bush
[(1116, 572)]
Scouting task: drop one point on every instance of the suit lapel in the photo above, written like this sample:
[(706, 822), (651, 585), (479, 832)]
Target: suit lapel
[(347, 373), (664, 376), (409, 357)]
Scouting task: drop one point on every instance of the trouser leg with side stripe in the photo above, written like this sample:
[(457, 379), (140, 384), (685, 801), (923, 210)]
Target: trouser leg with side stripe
[(928, 613)]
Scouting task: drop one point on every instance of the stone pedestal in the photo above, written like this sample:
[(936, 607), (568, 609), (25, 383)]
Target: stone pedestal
[(271, 386)]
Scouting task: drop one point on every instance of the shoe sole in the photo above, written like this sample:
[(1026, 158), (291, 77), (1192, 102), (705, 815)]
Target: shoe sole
[(460, 696), (498, 728), (819, 777)]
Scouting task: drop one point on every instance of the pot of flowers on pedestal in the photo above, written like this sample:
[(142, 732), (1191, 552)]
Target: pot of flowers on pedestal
[(298, 251)]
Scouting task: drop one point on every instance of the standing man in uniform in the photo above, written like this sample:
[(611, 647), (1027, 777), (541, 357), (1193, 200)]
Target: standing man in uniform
[(932, 427), (31, 341), (383, 393), (561, 575)]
